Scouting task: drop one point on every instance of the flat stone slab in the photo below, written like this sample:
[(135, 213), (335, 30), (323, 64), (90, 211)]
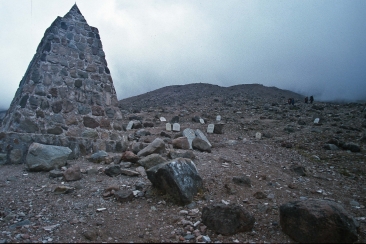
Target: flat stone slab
[(202, 136), (162, 119), (202, 121)]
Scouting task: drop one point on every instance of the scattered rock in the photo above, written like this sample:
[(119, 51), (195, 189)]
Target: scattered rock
[(242, 180), (157, 146), (129, 172), (123, 196), (330, 147), (46, 157), (181, 143), (299, 170), (260, 195), (63, 190), (227, 219), (98, 157), (151, 160), (72, 174), (56, 173), (317, 221), (219, 128), (201, 145), (129, 156), (353, 147), (90, 235), (113, 170), (172, 154)]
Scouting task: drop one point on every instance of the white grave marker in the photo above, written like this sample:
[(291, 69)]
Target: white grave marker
[(129, 126), (168, 127), (162, 119), (316, 121), (210, 128), (258, 135), (202, 136), (176, 127), (202, 121), (218, 118), (189, 133)]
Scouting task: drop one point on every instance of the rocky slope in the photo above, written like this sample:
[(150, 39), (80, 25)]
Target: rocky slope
[(292, 159)]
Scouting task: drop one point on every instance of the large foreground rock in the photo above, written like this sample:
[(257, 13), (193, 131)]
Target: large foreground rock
[(227, 219), (157, 146), (317, 221), (179, 178), (46, 157)]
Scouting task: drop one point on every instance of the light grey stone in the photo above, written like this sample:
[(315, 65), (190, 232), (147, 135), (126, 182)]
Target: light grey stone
[(210, 128), (176, 127), (168, 126), (258, 135), (42, 157), (162, 119), (218, 118), (129, 126), (202, 136), (190, 134)]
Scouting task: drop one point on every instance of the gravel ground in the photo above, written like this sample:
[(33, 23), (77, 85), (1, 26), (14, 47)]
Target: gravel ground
[(30, 211)]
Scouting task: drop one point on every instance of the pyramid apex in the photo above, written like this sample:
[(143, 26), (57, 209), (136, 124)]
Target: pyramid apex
[(74, 13)]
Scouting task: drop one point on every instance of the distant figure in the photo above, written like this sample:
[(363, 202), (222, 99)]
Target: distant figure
[(292, 101), (311, 99), (289, 101), (306, 99)]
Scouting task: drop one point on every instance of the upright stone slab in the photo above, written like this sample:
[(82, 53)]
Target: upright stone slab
[(202, 136), (67, 88), (218, 118), (210, 128), (202, 121), (316, 121), (129, 125), (190, 134), (258, 135), (168, 127), (176, 127)]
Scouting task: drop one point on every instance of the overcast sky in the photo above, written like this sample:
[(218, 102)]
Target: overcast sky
[(311, 47)]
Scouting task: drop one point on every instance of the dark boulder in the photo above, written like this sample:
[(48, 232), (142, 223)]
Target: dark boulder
[(178, 178), (317, 221)]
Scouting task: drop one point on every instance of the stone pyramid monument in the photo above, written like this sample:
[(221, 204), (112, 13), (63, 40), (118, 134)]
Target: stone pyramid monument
[(66, 96)]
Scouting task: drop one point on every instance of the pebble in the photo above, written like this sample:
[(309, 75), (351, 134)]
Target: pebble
[(183, 212), (189, 237), (354, 203)]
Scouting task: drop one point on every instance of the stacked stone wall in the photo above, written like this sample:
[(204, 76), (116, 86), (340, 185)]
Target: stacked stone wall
[(14, 146), (67, 87)]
